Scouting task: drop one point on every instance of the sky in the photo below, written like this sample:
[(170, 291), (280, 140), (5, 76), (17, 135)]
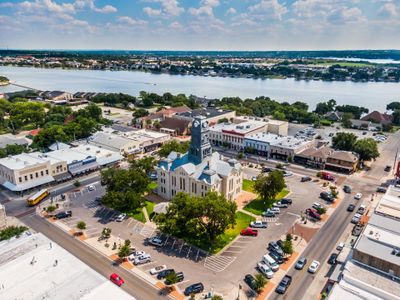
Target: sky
[(200, 24)]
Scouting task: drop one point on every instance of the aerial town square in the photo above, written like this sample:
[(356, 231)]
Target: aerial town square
[(171, 149)]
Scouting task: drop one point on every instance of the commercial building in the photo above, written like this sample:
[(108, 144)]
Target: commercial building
[(34, 267), (200, 170), (372, 270), (212, 115), (287, 147), (342, 161), (117, 143), (233, 135), (278, 127), (259, 143), (9, 139)]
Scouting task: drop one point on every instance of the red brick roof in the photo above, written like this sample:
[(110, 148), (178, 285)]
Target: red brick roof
[(378, 117)]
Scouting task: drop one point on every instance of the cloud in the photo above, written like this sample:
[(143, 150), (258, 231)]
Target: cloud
[(46, 5), (169, 8), (346, 15), (152, 12), (231, 11), (130, 21), (270, 8), (388, 9), (6, 4), (176, 26), (107, 9), (206, 8)]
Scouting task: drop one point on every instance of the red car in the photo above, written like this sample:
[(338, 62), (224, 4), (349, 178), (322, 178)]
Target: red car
[(327, 176), (116, 279), (249, 232)]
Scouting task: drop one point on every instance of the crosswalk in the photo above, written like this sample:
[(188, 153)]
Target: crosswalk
[(218, 263)]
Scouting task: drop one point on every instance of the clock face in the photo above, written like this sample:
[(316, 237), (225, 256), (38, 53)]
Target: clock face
[(196, 123), (205, 125)]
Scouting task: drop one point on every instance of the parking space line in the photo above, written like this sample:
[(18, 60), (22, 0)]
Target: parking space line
[(181, 248), (173, 244), (187, 255), (129, 223)]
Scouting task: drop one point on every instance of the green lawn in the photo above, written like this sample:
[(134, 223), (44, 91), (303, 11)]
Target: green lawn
[(257, 206), (242, 221), (138, 214), (248, 185), (152, 185)]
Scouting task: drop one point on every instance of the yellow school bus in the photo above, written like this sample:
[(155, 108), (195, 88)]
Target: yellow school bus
[(36, 198)]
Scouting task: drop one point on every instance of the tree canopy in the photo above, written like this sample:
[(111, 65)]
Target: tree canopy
[(269, 186), (344, 141), (173, 145), (367, 148)]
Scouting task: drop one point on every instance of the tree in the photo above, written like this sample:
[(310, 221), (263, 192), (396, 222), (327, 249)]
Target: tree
[(260, 282), (357, 111), (171, 278), (146, 164), (344, 141), (217, 297), (393, 106), (367, 149), (140, 112), (269, 186), (81, 225), (321, 210), (11, 231), (346, 120), (322, 108), (287, 247), (173, 145), (106, 233), (123, 251), (396, 116)]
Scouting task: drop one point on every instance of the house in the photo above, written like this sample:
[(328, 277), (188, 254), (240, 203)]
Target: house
[(9, 139), (200, 170), (148, 121), (176, 126), (335, 116), (212, 115), (342, 161), (377, 117), (56, 95), (360, 124)]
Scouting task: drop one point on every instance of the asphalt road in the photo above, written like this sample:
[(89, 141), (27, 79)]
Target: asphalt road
[(134, 286)]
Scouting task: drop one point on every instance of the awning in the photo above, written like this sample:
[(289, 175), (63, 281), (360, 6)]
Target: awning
[(62, 177), (28, 185), (335, 276), (84, 168), (328, 164)]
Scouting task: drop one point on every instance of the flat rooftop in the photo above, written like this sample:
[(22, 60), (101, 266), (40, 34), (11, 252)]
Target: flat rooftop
[(390, 203), (21, 161), (240, 128), (264, 137), (291, 142), (208, 112), (68, 155), (28, 271)]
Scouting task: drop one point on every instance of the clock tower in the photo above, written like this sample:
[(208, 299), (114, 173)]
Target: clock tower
[(200, 146)]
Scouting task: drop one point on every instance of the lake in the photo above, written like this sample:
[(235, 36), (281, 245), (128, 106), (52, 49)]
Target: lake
[(373, 95)]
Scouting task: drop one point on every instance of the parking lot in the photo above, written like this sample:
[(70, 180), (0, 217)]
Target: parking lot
[(222, 272)]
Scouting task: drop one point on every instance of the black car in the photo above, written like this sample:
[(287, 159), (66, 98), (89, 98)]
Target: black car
[(280, 243), (333, 259), (278, 258), (351, 207), (347, 189), (305, 178), (327, 196), (194, 289), (284, 284), (380, 189), (164, 273), (272, 246), (251, 281), (64, 214), (266, 170), (388, 168), (286, 201), (357, 229), (97, 199), (180, 276)]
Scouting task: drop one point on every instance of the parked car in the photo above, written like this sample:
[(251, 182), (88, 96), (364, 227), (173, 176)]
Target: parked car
[(276, 256), (194, 289), (284, 284), (301, 263), (270, 262), (357, 229), (179, 276), (266, 169), (273, 246), (333, 259), (156, 241), (327, 176), (251, 281), (162, 274), (314, 266), (327, 196), (313, 213), (121, 217), (361, 209), (258, 224), (279, 204), (158, 269), (347, 189), (268, 213), (115, 278), (380, 189), (254, 178), (287, 174), (249, 232), (388, 168), (340, 246), (356, 218), (276, 210), (351, 207), (91, 187), (305, 178), (64, 214), (97, 199), (280, 243), (286, 201), (265, 269), (136, 253), (317, 205), (145, 258), (358, 196)]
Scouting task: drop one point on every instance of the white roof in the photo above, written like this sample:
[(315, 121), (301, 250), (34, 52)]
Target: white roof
[(291, 142), (21, 161), (264, 137), (69, 279), (68, 155), (240, 128), (103, 156), (44, 156), (390, 203)]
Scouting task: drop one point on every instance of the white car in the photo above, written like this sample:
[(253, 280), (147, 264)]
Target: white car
[(356, 218), (358, 196), (340, 246), (287, 174), (121, 217), (314, 266), (317, 205), (265, 269), (276, 210), (91, 187), (279, 204), (258, 224), (136, 254), (156, 241), (145, 258), (158, 269)]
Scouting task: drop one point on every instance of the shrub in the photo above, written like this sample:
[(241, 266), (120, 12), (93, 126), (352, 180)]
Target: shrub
[(51, 208), (11, 231), (81, 225), (77, 183)]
